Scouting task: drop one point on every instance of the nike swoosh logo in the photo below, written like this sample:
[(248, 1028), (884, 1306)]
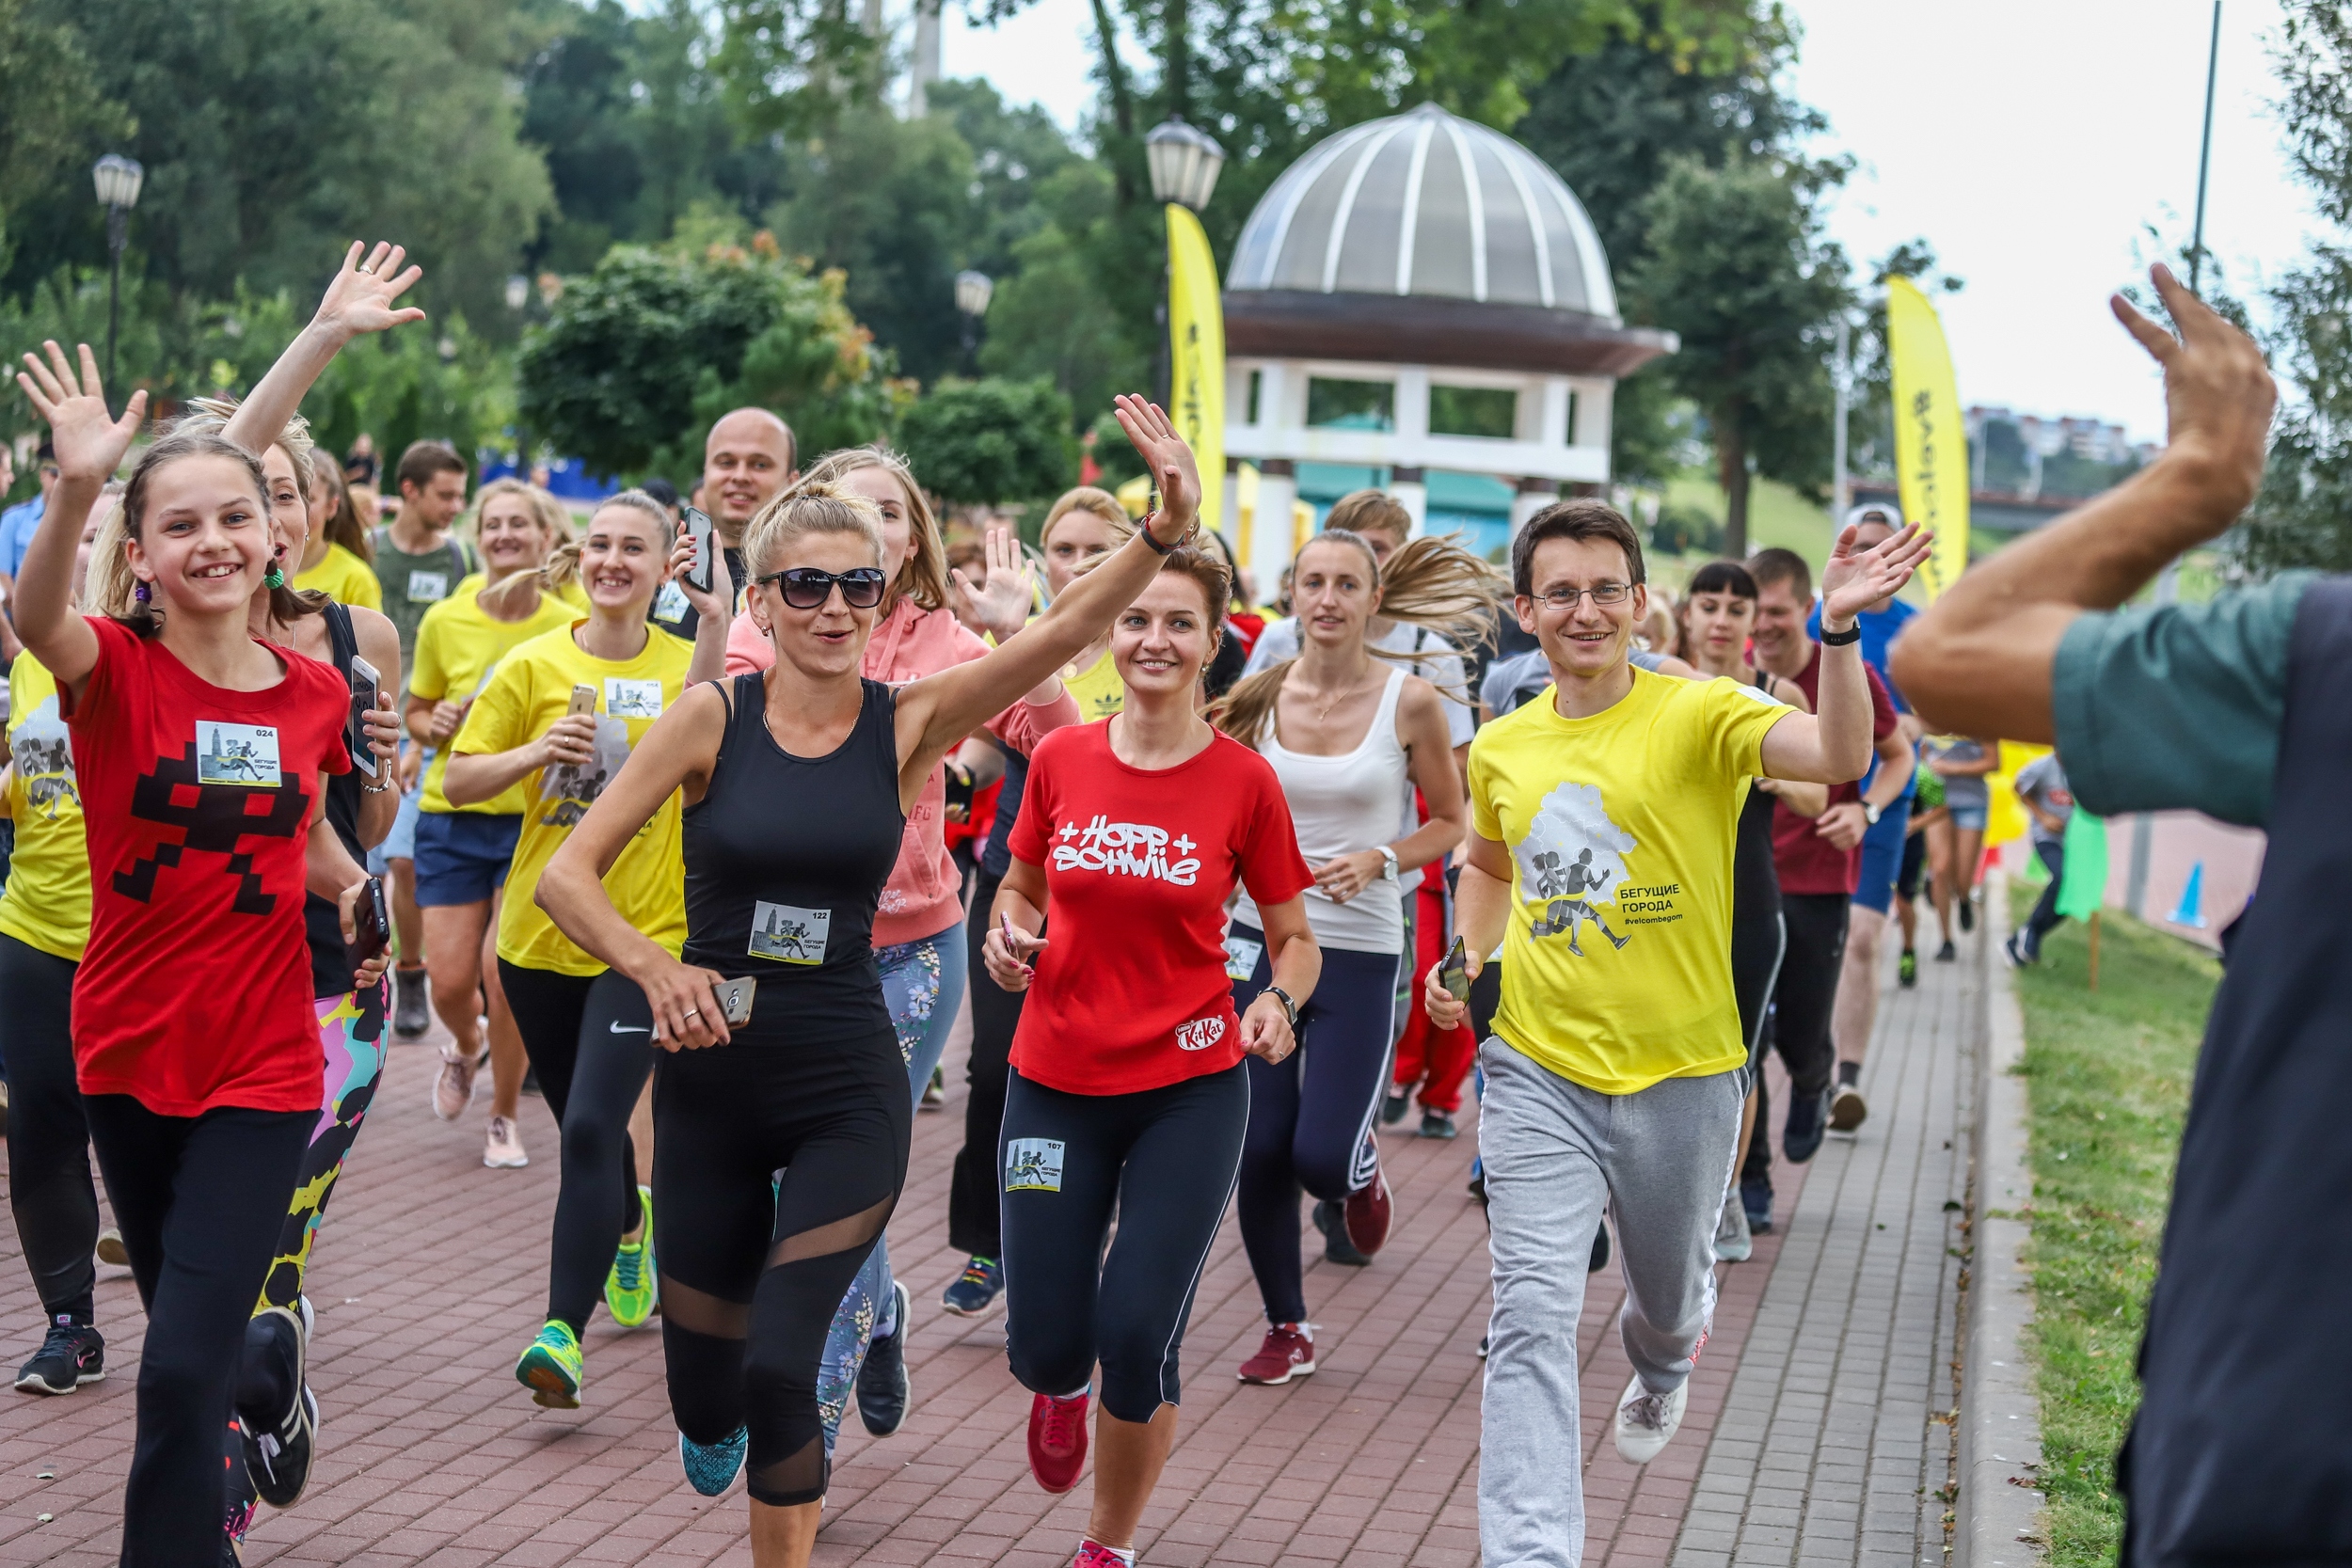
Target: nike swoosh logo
[(631, 1029)]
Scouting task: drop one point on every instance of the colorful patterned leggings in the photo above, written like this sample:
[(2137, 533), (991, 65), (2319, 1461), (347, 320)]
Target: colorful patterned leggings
[(351, 1032)]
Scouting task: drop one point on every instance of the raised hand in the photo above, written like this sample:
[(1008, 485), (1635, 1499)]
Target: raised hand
[(2218, 394), (360, 297), (1170, 463), (91, 442), (1856, 579), (1003, 600)]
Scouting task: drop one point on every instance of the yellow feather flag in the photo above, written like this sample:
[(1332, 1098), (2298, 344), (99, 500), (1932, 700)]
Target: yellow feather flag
[(1931, 435), (1195, 355)]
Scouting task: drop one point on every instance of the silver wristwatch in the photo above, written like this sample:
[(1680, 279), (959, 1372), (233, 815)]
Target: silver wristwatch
[(1387, 863)]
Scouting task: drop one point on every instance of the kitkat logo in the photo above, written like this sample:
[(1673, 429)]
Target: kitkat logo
[(1201, 1034)]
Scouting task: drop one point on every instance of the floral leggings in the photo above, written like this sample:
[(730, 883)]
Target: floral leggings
[(922, 981)]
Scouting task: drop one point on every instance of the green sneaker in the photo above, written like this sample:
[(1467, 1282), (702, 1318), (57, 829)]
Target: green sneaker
[(1907, 969), (551, 1369), (631, 1288)]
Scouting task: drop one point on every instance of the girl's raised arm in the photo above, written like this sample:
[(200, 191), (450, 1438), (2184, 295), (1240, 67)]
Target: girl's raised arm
[(90, 445)]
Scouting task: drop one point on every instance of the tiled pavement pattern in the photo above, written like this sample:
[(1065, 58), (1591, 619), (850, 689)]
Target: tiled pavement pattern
[(430, 1276)]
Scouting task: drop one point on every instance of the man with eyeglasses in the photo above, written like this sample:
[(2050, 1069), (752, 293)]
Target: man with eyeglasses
[(1616, 1073)]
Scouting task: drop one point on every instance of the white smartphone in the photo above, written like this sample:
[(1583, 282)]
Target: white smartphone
[(366, 688), (701, 573), (735, 1001)]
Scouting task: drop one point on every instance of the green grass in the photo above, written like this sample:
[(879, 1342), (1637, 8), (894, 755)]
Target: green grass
[(2107, 1080), (1776, 515)]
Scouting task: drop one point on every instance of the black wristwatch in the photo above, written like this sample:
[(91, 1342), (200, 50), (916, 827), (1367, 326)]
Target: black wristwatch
[(1290, 1009), (1840, 639)]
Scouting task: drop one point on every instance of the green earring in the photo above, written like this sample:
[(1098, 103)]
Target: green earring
[(276, 577)]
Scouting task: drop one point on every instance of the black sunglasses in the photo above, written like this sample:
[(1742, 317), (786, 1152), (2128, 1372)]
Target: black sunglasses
[(805, 587)]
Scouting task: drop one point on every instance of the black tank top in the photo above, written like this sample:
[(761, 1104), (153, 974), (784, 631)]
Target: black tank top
[(330, 960), (785, 860), (1755, 883)]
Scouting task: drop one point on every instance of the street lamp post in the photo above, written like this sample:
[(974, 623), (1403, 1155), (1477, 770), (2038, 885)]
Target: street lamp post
[(1184, 163), (118, 180), (973, 292)]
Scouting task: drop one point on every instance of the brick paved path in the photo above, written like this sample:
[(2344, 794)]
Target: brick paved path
[(1808, 1437)]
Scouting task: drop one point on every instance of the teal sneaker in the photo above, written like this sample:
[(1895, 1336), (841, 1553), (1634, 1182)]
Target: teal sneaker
[(631, 1288), (552, 1369), (712, 1467)]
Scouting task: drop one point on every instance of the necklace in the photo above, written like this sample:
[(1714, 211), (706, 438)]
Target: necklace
[(1344, 692)]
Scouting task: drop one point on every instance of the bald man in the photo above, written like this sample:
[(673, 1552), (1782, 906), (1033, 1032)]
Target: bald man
[(748, 459)]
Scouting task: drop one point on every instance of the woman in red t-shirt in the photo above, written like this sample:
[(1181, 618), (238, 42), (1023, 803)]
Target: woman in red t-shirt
[(1127, 1090), (200, 752)]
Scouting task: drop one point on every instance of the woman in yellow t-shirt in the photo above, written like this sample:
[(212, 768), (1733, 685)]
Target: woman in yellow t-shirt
[(337, 560), (556, 724), (463, 851)]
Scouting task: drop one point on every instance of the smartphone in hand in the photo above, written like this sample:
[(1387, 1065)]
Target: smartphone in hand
[(367, 688), (372, 923), (583, 701), (1453, 972), (701, 574)]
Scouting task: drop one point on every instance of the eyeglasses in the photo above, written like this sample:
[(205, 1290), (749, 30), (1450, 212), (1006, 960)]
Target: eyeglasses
[(1605, 593), (806, 588)]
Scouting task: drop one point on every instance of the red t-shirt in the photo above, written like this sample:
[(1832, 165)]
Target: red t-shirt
[(1130, 992), (1807, 863), (195, 990)]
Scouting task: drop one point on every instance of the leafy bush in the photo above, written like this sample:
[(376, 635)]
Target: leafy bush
[(990, 442)]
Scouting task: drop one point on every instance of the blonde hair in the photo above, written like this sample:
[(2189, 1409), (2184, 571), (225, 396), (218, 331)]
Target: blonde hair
[(546, 511), (210, 415), (925, 572), (1087, 498), (561, 569), (803, 510), (1369, 512), (1431, 583), (107, 584)]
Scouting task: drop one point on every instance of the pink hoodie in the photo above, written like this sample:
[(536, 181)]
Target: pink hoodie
[(923, 895)]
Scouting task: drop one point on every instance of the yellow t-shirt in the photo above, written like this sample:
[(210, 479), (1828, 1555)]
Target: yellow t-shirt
[(46, 904), (531, 689), (1617, 967), (571, 593), (458, 646), (1097, 690), (346, 579)]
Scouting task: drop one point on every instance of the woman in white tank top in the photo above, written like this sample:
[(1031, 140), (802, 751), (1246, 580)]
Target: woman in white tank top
[(1351, 736)]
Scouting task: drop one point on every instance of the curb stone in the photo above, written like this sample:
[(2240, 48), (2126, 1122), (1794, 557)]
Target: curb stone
[(2000, 1502)]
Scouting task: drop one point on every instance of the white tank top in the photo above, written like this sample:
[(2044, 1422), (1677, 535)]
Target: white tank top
[(1340, 806)]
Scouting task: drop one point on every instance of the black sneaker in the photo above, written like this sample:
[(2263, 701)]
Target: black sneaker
[(1601, 1249), (882, 1391), (1756, 1197), (1967, 914), (1330, 1218), (410, 1016), (1808, 1118), (70, 1355), (977, 1288), (1437, 1124), (1392, 1109), (1946, 954), (280, 1445), (1478, 1187)]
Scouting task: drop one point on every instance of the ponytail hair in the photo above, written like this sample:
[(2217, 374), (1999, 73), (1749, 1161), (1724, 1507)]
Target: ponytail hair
[(1431, 583), (561, 569), (923, 576)]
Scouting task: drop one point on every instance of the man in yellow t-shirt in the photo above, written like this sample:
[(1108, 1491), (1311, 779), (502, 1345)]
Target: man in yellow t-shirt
[(1603, 817)]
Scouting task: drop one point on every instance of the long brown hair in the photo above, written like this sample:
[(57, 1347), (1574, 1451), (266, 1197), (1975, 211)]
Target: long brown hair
[(924, 574), (343, 526), (111, 588), (1431, 583), (209, 417)]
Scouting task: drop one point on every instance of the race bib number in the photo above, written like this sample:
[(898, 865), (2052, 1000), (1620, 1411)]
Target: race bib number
[(1241, 957), (427, 587), (670, 603), (236, 753), (628, 699), (1033, 1165), (790, 936)]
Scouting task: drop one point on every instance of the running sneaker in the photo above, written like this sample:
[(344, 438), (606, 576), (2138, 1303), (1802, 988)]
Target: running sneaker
[(553, 1369), (1907, 969), (1847, 1109), (1368, 1212), (1646, 1422), (975, 1289), (1732, 1244), (111, 1250), (1808, 1118), (280, 1446), (243, 1501), (1968, 913), (1331, 1219), (712, 1467), (1093, 1554), (1755, 1198), (883, 1390), (1947, 953), (2015, 953), (1437, 1124), (632, 1287), (1058, 1440), (1289, 1352), (70, 1355), (1478, 1187), (502, 1146), (935, 1092), (1392, 1109), (410, 1017), (452, 1086), (1482, 1342)]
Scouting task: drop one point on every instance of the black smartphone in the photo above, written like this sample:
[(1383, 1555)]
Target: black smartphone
[(366, 692), (372, 923), (701, 573), (1453, 973)]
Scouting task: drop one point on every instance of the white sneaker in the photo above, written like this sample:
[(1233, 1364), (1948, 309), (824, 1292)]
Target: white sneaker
[(503, 1148), (1732, 1243), (1647, 1422), (452, 1086)]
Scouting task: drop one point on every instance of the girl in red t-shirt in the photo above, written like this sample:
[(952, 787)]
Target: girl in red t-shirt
[(1127, 1093), (200, 752)]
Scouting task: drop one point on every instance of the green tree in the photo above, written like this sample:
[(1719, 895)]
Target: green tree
[(1737, 267), (51, 111), (990, 442)]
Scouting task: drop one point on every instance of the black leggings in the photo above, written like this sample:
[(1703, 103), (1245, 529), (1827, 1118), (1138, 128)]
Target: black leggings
[(1165, 1159), (590, 1039), (753, 1265), (1802, 1001), (50, 1191), (973, 1223), (1757, 947), (199, 1201), (1311, 1114)]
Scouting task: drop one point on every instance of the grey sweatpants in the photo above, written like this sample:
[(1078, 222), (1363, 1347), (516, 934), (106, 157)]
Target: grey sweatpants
[(1556, 1152)]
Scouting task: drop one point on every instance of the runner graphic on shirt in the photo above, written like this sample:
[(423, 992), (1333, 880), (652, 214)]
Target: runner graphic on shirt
[(1571, 854), (43, 758), (572, 787)]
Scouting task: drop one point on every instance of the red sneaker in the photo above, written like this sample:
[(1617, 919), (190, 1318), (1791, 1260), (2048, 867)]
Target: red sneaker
[(1368, 1212), (1058, 1440), (1288, 1353)]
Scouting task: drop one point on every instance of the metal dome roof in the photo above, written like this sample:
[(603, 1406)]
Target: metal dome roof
[(1427, 204)]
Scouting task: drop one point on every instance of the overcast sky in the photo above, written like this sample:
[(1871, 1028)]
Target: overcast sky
[(2031, 143)]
